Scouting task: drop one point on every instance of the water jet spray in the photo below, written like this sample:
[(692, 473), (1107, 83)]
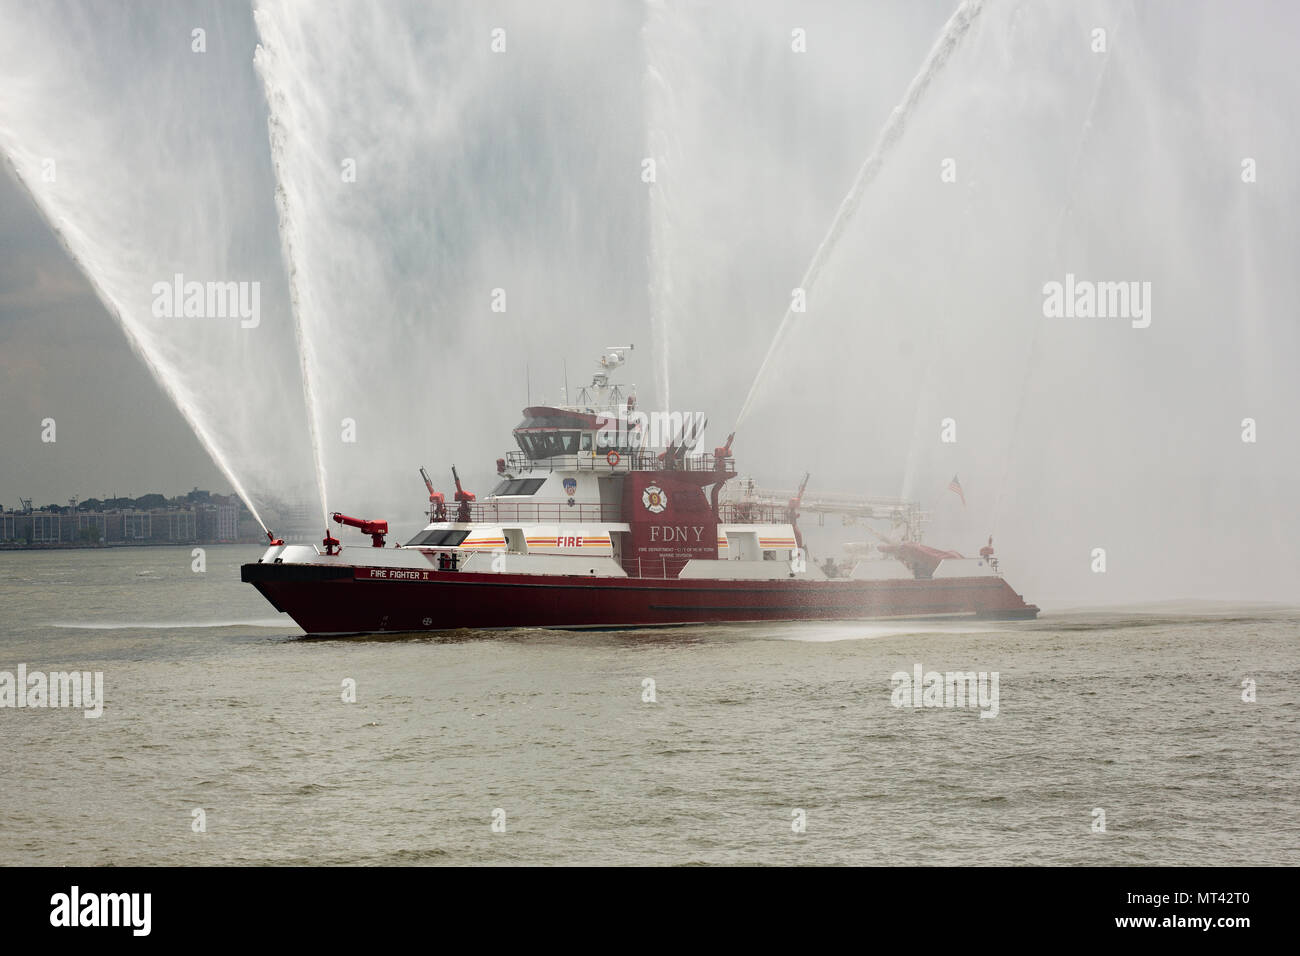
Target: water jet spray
[(954, 30)]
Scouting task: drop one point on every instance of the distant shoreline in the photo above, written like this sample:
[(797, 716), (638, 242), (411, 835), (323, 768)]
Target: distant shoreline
[(103, 546)]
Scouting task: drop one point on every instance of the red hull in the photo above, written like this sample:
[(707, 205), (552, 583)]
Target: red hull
[(325, 599)]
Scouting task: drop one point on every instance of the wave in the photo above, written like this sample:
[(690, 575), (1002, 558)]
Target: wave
[(815, 632), (171, 625)]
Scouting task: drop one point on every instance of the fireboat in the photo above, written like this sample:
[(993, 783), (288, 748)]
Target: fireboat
[(595, 525)]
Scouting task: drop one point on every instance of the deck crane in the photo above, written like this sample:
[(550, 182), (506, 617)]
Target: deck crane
[(904, 515)]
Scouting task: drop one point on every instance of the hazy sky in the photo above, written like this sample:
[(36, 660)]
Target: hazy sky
[(62, 356)]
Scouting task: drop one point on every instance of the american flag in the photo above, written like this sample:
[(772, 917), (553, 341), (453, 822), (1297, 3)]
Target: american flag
[(955, 485)]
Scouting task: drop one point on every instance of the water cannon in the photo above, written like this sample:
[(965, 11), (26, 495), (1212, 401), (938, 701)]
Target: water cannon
[(691, 431), (461, 493), (332, 544), (986, 553), (376, 529), (275, 542), (792, 509), (722, 453), (437, 501), (797, 500), (462, 496)]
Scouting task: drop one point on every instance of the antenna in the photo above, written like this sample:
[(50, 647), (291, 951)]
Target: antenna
[(566, 381), (528, 385)]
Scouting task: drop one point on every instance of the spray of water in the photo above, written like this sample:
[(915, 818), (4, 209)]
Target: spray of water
[(949, 39), (1077, 432), (308, 361), (519, 169), (135, 208), (168, 376), (970, 226), (661, 121), (1086, 134), (458, 195)]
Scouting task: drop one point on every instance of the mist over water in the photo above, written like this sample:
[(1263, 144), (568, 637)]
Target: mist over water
[(390, 176), (1078, 433), (949, 40)]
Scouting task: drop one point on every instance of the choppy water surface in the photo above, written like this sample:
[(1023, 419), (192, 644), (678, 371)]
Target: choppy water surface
[(214, 702)]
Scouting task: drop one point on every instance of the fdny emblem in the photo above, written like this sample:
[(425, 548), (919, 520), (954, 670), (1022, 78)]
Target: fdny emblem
[(570, 486), (654, 499)]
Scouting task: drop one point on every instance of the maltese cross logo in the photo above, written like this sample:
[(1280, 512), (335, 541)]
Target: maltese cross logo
[(654, 499)]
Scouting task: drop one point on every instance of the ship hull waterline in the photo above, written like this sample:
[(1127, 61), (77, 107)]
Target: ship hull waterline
[(345, 599)]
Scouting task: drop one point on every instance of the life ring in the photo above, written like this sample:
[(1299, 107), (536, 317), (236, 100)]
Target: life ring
[(612, 458)]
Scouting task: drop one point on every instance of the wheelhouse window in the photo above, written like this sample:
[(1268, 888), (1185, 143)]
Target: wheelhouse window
[(518, 486), (548, 444), (437, 538)]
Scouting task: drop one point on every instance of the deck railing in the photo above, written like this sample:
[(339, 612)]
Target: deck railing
[(501, 512), (519, 463), (532, 511), (757, 513)]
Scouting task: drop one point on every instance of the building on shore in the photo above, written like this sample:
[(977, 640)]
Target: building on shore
[(212, 520)]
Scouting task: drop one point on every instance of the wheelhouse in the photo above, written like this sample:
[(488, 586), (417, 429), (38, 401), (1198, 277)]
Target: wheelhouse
[(548, 432)]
